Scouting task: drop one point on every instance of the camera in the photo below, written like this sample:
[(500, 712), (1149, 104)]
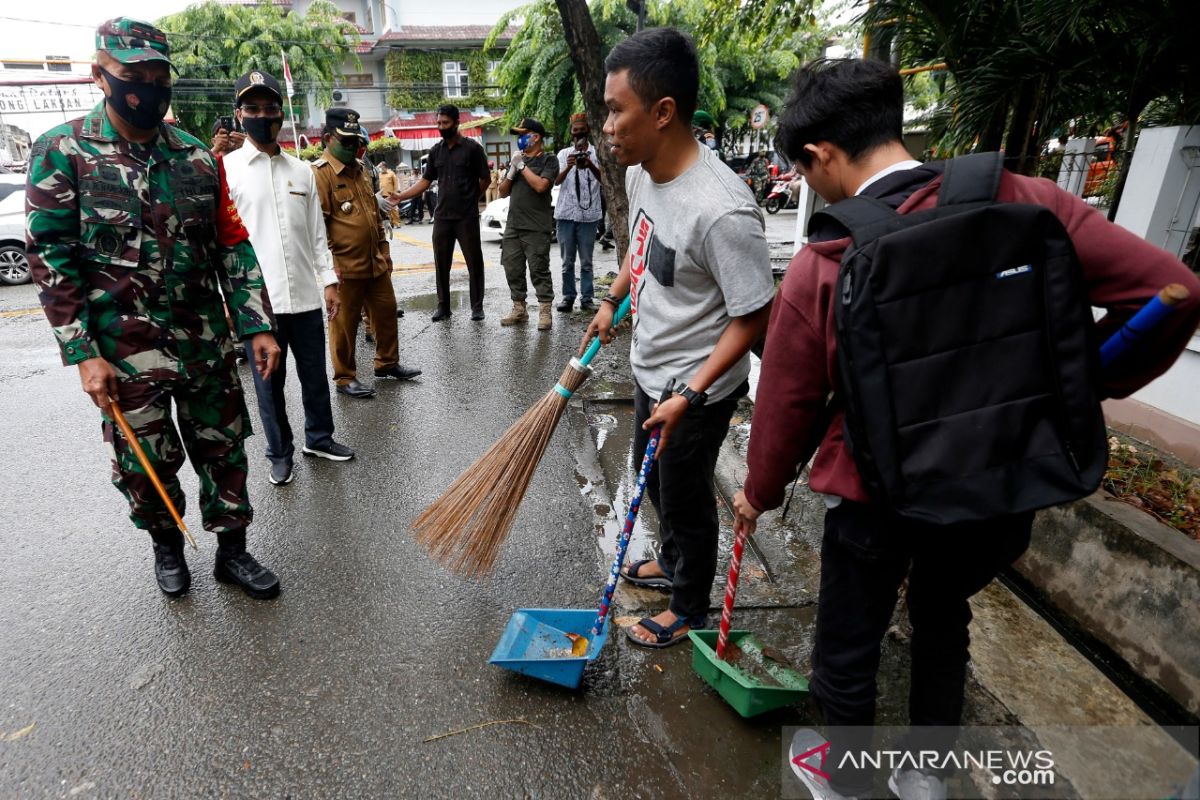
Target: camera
[(229, 123)]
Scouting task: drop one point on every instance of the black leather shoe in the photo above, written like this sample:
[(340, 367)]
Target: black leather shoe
[(441, 314), (397, 373), (170, 568), (399, 312), (334, 451), (566, 305), (281, 473), (476, 316), (587, 305), (241, 569), (369, 338), (356, 389)]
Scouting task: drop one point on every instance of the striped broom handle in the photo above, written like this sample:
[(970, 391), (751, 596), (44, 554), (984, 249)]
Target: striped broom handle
[(630, 518), (1143, 321), (594, 347), (735, 567)]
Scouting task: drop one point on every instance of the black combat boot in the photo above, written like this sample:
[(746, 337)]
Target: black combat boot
[(170, 569), (235, 565)]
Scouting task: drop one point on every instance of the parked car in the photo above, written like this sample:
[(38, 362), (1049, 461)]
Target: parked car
[(495, 215), (14, 266)]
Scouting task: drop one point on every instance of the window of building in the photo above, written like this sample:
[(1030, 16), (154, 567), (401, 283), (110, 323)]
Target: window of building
[(493, 81), (58, 63), (454, 79), (499, 152), (350, 16), (38, 65), (358, 80)]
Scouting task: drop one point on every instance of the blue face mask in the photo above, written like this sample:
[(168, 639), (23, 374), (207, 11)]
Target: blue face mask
[(524, 140)]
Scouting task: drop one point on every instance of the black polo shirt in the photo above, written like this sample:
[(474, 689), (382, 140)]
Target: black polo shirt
[(457, 171)]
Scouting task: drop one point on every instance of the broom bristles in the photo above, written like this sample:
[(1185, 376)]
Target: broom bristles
[(466, 527)]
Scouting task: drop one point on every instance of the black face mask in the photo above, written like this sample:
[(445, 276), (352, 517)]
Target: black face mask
[(448, 133), (152, 101), (263, 130)]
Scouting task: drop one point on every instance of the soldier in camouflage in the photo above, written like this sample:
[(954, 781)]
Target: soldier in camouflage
[(133, 243)]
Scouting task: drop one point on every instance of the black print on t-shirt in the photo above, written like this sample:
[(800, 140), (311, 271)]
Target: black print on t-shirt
[(662, 262)]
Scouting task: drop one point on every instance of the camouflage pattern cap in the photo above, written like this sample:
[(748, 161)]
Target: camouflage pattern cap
[(132, 41)]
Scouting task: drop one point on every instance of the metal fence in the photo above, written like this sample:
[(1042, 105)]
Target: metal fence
[(1092, 175)]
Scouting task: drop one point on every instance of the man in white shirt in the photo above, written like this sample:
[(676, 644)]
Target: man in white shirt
[(275, 194), (577, 213)]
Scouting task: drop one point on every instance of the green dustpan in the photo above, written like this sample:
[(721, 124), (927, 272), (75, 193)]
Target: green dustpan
[(747, 694)]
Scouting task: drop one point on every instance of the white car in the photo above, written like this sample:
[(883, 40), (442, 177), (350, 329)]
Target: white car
[(14, 266), (495, 215)]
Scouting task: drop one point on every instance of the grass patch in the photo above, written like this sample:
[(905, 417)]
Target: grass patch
[(1156, 483)]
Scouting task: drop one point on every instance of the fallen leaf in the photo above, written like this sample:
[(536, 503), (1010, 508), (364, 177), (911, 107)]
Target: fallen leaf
[(579, 645), (12, 737), (657, 667), (626, 622)]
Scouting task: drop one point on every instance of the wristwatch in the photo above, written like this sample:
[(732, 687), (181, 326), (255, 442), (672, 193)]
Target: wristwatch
[(695, 399)]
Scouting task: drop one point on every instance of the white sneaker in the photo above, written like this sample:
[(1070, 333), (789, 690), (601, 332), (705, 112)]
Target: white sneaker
[(807, 741), (913, 784)]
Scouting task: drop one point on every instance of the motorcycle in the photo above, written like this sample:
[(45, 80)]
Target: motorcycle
[(412, 210), (780, 195)]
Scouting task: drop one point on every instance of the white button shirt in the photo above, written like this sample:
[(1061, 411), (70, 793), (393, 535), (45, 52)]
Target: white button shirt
[(276, 197)]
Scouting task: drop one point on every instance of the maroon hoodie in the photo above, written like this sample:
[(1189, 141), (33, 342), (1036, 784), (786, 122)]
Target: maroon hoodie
[(800, 368)]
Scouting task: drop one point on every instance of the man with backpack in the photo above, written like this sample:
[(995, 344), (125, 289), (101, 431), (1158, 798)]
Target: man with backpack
[(935, 337)]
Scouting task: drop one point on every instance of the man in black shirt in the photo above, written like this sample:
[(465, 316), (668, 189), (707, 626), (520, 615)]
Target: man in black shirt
[(459, 166)]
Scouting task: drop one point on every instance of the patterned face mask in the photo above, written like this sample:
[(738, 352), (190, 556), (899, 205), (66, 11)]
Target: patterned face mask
[(142, 105)]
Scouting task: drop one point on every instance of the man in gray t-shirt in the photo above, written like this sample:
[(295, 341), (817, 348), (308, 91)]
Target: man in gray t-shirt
[(700, 278)]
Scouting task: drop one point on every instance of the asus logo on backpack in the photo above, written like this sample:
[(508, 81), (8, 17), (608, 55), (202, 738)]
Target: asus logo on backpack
[(969, 384)]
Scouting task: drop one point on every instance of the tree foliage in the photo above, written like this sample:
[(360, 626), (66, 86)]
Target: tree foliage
[(738, 71), (1021, 70), (213, 44)]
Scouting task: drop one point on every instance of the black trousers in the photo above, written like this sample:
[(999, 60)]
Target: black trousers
[(684, 493), (865, 554), (466, 232)]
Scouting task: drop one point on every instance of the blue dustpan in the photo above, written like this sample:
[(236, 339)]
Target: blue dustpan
[(535, 636)]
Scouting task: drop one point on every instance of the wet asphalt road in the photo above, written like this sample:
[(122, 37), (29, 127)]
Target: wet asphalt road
[(330, 690)]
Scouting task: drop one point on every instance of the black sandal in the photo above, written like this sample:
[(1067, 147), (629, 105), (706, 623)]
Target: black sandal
[(665, 636), (632, 574)]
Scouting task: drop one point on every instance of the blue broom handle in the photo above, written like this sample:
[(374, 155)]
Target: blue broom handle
[(627, 531), (1145, 320), (594, 347)]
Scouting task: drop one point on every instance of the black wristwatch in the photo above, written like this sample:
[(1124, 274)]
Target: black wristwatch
[(695, 399)]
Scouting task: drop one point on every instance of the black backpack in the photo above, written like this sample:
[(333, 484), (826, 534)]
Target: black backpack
[(967, 353)]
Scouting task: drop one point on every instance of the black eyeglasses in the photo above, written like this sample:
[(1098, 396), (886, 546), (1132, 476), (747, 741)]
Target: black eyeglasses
[(254, 108)]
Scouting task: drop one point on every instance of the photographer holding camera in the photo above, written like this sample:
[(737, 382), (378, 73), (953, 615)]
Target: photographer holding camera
[(577, 213)]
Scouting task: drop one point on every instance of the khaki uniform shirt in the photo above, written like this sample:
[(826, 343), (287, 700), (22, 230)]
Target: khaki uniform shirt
[(353, 223), (387, 181)]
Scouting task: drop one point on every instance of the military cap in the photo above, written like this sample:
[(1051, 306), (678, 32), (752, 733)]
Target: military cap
[(131, 41), (344, 122), (529, 125), (256, 79), (703, 119)]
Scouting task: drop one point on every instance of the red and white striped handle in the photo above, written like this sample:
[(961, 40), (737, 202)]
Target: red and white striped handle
[(735, 566)]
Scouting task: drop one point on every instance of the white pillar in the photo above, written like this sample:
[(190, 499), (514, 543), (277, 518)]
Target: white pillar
[(1162, 192), (1073, 172), (810, 203)]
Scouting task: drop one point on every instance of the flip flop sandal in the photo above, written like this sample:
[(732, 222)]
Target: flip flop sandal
[(665, 636), (631, 574)]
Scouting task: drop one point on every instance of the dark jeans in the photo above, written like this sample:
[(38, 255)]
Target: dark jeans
[(684, 494), (466, 232), (577, 237), (865, 555), (304, 335)]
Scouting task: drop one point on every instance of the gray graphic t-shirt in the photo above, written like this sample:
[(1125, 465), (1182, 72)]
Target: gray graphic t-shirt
[(698, 257)]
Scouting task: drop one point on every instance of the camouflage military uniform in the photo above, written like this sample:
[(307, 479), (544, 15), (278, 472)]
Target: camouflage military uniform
[(133, 246)]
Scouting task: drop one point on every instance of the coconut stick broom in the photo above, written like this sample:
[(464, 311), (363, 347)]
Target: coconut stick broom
[(465, 527)]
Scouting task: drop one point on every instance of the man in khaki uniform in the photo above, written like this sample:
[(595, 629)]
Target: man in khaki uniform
[(361, 256), (389, 185)]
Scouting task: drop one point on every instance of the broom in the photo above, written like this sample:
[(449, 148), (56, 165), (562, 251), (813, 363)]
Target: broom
[(465, 527)]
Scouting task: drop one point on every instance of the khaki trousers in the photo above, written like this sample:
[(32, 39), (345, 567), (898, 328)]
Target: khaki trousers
[(378, 297)]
